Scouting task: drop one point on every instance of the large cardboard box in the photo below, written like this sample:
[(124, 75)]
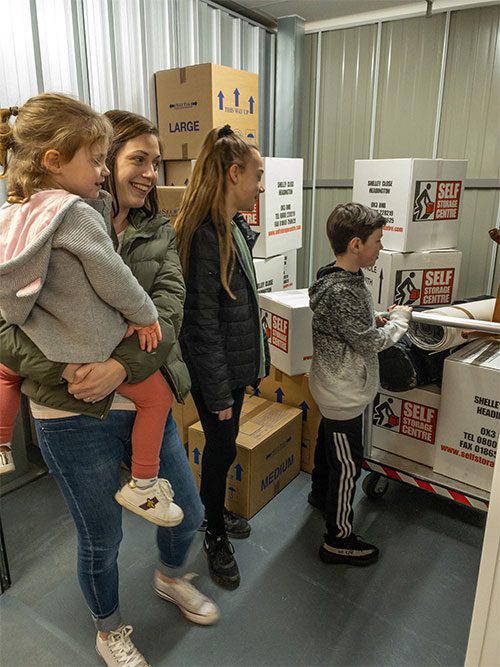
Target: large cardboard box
[(421, 200), (282, 388), (277, 214), (287, 320), (469, 424), (192, 100), (428, 278), (169, 199), (269, 274), (267, 458), (178, 172), (405, 423), (290, 270), (184, 414)]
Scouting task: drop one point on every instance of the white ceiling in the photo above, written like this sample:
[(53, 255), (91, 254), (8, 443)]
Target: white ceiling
[(323, 13), (320, 10)]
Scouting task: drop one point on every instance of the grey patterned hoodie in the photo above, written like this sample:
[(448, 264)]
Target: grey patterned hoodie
[(344, 375)]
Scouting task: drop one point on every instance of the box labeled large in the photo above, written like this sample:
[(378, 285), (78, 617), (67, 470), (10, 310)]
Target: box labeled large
[(428, 278), (267, 458), (169, 199), (405, 423), (420, 199), (269, 274), (287, 320), (282, 388), (290, 270), (467, 436), (192, 100), (277, 214), (184, 414), (178, 172)]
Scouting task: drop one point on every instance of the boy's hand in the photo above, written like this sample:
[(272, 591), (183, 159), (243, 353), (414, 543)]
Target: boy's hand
[(149, 336), (407, 310)]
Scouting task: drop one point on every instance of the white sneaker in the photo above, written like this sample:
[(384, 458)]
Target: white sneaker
[(153, 504), (194, 605), (6, 461), (118, 649)]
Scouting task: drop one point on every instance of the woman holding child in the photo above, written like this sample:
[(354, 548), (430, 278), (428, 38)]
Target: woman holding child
[(82, 442)]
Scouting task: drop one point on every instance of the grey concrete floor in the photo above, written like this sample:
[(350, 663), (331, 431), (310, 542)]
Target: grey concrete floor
[(412, 608)]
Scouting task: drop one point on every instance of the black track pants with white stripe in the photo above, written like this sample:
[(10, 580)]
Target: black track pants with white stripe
[(337, 466)]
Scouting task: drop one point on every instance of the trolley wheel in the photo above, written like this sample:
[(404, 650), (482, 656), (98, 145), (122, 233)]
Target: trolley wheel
[(374, 485)]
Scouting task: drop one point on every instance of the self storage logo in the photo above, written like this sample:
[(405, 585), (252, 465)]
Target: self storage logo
[(436, 200), (252, 217), (406, 417), (276, 329), (424, 287)]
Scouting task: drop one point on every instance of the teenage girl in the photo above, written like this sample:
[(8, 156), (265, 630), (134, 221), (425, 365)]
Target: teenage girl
[(221, 338)]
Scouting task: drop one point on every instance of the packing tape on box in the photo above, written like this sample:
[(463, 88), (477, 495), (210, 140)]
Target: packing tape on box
[(436, 338)]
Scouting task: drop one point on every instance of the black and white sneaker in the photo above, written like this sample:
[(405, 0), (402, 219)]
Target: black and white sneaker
[(236, 526), (221, 562), (349, 550)]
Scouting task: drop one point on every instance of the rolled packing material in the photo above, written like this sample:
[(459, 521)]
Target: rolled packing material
[(436, 338)]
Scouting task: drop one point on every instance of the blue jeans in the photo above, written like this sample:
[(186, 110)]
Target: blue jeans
[(84, 456)]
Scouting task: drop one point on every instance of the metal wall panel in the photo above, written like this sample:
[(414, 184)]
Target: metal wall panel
[(59, 53), (347, 73), (309, 83), (479, 214), (410, 65), (470, 125), (101, 62), (18, 66)]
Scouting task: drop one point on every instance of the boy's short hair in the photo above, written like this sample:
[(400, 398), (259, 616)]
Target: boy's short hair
[(347, 221)]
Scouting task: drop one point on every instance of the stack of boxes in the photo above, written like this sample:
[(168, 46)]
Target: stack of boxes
[(421, 201), (190, 102)]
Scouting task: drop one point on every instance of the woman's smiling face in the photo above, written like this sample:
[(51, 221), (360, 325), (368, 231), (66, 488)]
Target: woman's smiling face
[(136, 171)]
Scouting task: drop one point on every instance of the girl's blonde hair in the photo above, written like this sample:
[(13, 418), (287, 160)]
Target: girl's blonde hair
[(206, 196), (47, 121)]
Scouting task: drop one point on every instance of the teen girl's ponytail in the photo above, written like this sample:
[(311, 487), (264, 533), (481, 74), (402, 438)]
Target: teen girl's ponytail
[(205, 197)]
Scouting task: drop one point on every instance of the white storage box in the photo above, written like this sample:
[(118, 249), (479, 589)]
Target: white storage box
[(428, 278), (287, 320), (269, 274), (467, 436), (404, 423), (277, 215), (420, 199), (290, 270)]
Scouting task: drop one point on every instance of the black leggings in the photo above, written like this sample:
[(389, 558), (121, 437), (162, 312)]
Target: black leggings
[(219, 453)]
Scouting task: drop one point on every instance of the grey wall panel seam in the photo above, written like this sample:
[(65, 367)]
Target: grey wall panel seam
[(309, 272), (442, 76), (375, 89), (36, 47)]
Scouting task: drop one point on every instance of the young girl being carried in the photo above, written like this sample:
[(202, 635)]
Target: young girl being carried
[(64, 285)]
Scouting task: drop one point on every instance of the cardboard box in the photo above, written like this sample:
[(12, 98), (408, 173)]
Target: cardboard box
[(290, 270), (169, 199), (268, 454), (277, 214), (184, 414), (469, 424), (287, 320), (428, 278), (405, 423), (192, 100), (269, 274), (294, 391), (178, 172), (420, 199)]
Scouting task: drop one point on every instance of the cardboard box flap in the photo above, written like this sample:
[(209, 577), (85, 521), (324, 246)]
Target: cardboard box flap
[(479, 354)]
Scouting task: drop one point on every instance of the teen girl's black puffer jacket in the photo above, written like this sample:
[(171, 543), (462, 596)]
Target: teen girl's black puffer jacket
[(219, 336)]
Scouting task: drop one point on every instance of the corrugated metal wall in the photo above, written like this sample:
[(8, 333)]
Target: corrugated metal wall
[(420, 87), (106, 51)]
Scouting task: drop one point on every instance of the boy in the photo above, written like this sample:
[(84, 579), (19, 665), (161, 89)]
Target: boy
[(344, 375)]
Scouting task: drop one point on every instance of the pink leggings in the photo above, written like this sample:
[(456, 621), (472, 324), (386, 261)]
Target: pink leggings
[(152, 398)]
